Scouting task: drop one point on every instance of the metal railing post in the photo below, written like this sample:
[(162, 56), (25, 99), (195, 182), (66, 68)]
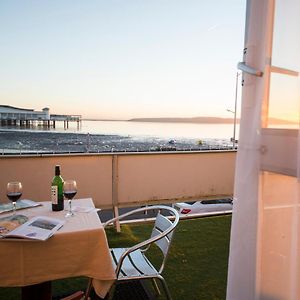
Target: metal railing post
[(115, 181)]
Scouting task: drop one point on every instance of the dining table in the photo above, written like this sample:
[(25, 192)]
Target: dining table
[(78, 248)]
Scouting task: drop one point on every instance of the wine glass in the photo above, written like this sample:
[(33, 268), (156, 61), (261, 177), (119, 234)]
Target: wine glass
[(14, 192), (70, 190)]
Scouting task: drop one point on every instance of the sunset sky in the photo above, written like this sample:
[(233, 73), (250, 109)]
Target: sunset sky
[(120, 59)]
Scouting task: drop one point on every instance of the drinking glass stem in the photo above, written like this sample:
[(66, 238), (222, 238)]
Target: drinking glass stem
[(70, 206), (14, 207)]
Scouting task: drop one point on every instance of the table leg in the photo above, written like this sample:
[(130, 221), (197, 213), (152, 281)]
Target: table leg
[(40, 291)]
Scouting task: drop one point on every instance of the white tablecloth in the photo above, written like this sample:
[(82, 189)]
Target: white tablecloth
[(79, 248)]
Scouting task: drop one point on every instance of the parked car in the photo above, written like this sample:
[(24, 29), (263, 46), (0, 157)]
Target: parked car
[(204, 206)]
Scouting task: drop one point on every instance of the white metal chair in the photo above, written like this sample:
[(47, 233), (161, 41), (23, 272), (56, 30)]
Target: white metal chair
[(132, 263)]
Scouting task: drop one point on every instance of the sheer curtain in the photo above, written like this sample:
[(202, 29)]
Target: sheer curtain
[(264, 260)]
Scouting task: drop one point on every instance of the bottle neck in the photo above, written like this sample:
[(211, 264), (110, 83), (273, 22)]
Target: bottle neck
[(57, 171)]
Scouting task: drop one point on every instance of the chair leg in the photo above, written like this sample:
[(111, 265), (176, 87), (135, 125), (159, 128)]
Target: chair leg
[(154, 283), (111, 292), (88, 289), (169, 297)]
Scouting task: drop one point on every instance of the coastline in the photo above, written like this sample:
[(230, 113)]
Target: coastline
[(17, 141)]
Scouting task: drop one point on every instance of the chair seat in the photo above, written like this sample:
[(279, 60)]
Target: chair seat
[(135, 264)]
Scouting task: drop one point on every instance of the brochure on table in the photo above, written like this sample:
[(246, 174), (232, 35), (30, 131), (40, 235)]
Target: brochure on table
[(21, 204), (37, 228)]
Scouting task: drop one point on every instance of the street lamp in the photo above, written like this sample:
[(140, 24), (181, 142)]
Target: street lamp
[(233, 139)]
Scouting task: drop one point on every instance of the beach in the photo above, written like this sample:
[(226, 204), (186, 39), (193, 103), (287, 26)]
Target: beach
[(16, 141)]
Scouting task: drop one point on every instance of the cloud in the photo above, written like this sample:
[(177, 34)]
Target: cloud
[(213, 27)]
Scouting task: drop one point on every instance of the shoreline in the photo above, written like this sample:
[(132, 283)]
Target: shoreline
[(16, 141)]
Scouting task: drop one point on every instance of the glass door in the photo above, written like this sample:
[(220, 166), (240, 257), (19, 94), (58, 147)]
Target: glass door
[(278, 253), (264, 258)]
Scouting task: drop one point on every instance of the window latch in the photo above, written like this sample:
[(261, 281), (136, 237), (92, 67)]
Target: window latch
[(249, 70)]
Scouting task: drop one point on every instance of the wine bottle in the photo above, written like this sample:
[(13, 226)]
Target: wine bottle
[(57, 196)]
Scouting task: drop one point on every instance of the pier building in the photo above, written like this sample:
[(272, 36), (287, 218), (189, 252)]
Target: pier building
[(10, 115)]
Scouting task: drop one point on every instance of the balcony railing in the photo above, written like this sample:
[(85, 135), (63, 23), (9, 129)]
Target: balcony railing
[(126, 179)]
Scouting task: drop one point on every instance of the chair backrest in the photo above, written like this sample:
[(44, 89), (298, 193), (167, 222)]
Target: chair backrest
[(162, 224), (165, 228), (162, 233)]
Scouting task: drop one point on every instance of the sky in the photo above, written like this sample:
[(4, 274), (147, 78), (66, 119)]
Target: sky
[(121, 59)]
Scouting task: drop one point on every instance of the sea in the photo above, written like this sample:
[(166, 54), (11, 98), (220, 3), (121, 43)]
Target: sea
[(106, 136)]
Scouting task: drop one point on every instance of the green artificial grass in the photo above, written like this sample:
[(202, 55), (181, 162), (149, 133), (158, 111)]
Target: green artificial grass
[(197, 263)]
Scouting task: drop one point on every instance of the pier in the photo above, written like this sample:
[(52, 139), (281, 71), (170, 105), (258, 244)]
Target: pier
[(14, 116)]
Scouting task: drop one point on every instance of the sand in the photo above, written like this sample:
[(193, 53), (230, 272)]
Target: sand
[(57, 142)]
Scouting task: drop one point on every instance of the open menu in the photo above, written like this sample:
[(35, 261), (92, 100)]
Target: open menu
[(21, 204), (37, 228)]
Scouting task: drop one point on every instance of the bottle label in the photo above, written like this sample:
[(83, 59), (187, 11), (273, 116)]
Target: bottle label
[(54, 194)]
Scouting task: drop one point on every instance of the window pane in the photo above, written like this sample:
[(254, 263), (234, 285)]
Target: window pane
[(283, 101), (279, 227), (286, 42)]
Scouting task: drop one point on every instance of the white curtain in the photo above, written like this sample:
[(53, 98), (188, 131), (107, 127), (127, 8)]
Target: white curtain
[(264, 260)]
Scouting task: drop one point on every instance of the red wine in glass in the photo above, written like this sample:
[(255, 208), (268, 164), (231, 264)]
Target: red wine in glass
[(14, 197), (70, 194), (70, 190)]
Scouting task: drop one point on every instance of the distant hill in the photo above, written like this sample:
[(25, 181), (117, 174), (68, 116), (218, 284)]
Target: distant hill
[(204, 120), (281, 121), (200, 120), (211, 120), (109, 120)]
